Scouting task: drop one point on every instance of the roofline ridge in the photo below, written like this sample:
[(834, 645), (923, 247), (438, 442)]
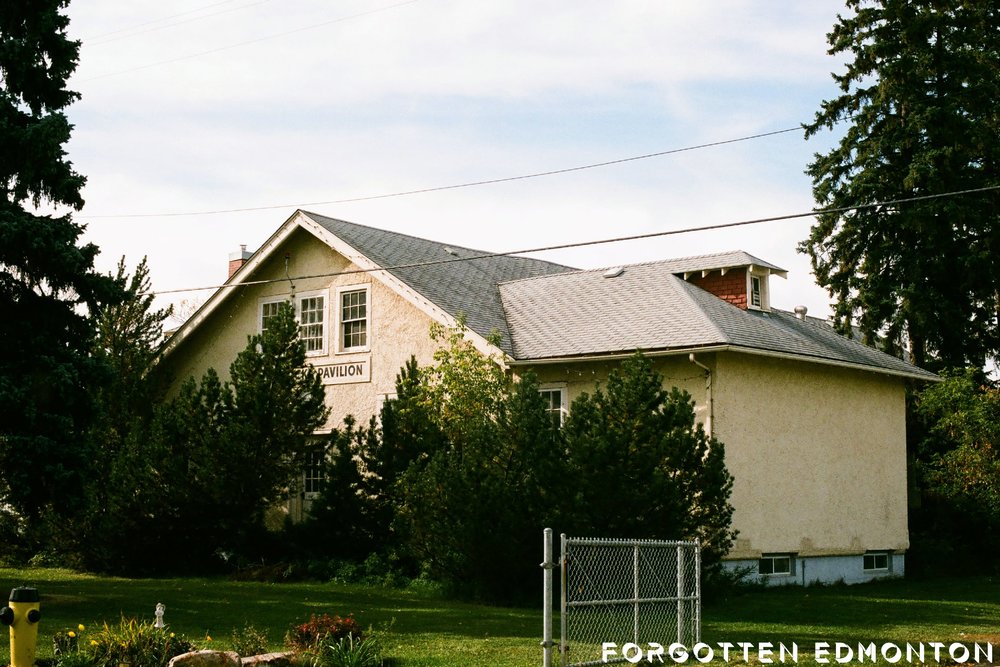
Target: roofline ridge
[(443, 244)]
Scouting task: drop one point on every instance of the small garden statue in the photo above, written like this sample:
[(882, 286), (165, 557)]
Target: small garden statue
[(160, 608)]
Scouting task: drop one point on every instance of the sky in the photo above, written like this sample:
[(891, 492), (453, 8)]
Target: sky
[(195, 109)]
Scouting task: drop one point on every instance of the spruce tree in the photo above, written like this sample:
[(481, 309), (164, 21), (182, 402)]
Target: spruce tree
[(919, 99), (47, 280), (643, 468)]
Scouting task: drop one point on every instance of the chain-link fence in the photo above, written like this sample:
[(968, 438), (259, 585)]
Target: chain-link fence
[(642, 592)]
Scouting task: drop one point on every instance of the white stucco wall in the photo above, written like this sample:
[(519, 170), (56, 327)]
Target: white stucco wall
[(818, 454), (397, 329)]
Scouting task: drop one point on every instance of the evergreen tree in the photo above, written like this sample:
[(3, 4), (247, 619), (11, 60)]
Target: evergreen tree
[(919, 93), (47, 280), (128, 339), (642, 467), (220, 454)]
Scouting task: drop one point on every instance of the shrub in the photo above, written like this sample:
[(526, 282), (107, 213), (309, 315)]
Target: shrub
[(135, 643), (75, 659), (249, 641), (317, 629), (349, 651)]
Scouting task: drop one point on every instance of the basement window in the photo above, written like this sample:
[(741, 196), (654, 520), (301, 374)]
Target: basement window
[(876, 561), (776, 565)]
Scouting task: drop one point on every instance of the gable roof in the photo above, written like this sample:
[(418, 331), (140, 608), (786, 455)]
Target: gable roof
[(649, 307), (444, 274), (546, 311)]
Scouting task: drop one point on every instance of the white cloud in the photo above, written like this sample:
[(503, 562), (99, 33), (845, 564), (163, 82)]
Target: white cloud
[(439, 92)]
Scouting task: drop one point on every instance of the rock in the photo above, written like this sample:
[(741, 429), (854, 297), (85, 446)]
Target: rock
[(269, 660), (206, 659)]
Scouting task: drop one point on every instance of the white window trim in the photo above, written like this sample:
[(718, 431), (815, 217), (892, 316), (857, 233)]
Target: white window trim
[(261, 302), (309, 465), (888, 561), (773, 556), (563, 401), (324, 350), (338, 310), (765, 298)]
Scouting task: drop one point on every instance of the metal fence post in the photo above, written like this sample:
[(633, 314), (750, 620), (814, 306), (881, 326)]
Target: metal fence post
[(680, 594), (547, 566), (697, 590), (563, 647), (635, 593)]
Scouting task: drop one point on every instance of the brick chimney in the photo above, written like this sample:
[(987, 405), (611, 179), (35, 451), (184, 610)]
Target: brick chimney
[(238, 259), (727, 284)]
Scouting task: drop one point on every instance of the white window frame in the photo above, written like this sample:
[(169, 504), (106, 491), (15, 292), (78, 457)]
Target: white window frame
[(314, 470), (324, 349), (559, 387), (874, 555), (324, 324), (765, 298), (338, 317), (267, 301), (773, 558)]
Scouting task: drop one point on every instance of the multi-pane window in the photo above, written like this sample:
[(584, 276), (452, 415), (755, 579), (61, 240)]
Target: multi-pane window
[(312, 318), (313, 472), (775, 564), (268, 311), (876, 561), (553, 399), (354, 319), (310, 311)]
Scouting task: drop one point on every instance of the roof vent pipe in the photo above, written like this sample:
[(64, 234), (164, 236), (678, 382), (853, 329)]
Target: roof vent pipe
[(800, 312)]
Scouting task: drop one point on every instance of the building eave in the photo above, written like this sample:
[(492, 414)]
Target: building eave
[(924, 376)]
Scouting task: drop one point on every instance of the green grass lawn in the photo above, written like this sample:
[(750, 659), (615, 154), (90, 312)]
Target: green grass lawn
[(427, 630)]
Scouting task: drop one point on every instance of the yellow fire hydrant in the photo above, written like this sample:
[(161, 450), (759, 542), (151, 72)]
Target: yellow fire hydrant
[(22, 616)]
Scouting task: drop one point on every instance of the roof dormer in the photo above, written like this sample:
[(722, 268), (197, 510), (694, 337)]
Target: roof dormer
[(735, 277)]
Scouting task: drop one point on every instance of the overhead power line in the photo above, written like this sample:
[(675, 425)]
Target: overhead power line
[(276, 35), (149, 26), (471, 184), (581, 244)]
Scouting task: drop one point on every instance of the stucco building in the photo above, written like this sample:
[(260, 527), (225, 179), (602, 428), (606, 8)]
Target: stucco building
[(813, 422)]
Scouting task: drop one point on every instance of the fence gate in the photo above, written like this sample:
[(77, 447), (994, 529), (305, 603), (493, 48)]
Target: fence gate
[(621, 591)]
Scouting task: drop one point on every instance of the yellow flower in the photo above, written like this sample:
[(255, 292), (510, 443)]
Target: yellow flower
[(71, 633), (208, 638), (93, 642), (80, 627), (171, 635)]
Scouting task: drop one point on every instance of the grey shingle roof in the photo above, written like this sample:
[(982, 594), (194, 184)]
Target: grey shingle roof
[(718, 261), (649, 307), (469, 287), (545, 310)]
